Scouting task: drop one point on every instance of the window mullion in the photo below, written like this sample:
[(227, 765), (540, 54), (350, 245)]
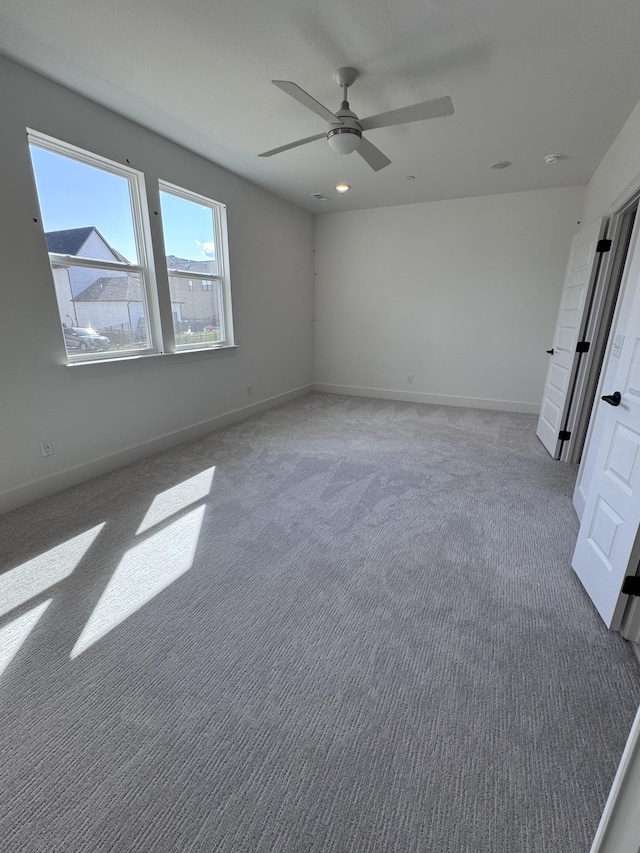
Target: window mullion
[(163, 308)]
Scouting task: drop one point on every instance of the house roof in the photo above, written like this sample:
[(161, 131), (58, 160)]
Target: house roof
[(117, 288), (70, 240)]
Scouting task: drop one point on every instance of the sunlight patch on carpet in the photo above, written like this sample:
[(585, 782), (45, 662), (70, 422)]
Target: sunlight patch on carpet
[(13, 635), (177, 498), (144, 571), (31, 578)]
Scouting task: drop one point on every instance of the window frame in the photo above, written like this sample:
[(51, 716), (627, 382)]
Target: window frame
[(143, 243), (219, 212), (155, 290)]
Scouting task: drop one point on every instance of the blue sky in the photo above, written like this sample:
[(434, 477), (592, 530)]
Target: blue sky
[(75, 195), (188, 228)]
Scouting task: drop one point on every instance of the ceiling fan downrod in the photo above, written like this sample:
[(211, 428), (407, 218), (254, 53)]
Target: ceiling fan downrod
[(345, 136)]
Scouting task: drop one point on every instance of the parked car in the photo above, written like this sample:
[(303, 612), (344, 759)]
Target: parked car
[(85, 340)]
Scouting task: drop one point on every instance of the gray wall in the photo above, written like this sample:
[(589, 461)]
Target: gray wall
[(618, 173), (462, 294), (101, 416)]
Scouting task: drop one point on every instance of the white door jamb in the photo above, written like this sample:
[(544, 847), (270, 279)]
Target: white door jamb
[(619, 829)]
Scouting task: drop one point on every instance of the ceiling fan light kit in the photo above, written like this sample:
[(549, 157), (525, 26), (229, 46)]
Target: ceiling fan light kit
[(344, 140), (345, 128)]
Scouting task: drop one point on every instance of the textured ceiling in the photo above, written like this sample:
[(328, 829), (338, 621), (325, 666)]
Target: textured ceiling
[(526, 78)]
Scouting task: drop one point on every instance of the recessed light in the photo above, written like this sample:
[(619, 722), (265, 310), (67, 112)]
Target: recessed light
[(552, 159), (501, 164), (342, 188), (411, 177)]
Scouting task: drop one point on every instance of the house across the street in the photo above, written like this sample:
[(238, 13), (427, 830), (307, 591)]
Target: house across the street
[(110, 300)]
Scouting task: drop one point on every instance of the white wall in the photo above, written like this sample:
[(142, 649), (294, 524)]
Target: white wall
[(102, 416), (462, 294), (617, 173)]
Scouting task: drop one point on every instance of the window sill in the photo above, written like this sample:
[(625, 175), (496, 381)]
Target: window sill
[(107, 365)]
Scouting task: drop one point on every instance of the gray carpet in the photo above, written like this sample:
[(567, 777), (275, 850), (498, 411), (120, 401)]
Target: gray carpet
[(365, 637)]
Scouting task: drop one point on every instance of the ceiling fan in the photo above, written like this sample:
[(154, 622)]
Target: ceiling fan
[(345, 128)]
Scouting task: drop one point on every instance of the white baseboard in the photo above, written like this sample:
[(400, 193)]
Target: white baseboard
[(41, 488), (433, 399)]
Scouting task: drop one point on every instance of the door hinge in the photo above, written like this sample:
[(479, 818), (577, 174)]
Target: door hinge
[(631, 585), (564, 435), (603, 246), (583, 346)]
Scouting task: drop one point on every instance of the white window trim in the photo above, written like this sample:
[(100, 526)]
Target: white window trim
[(142, 236), (160, 338)]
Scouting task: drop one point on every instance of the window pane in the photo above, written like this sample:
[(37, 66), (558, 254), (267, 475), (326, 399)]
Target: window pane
[(197, 312), (86, 211), (189, 234), (110, 303)]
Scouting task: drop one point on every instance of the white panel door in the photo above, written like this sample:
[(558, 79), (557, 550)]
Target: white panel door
[(572, 318), (608, 542)]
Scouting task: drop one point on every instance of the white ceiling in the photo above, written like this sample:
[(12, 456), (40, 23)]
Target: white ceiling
[(527, 78)]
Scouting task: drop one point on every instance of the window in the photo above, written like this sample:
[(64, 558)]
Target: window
[(194, 238), (99, 244), (92, 216)]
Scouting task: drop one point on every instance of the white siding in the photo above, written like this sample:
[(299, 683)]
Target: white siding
[(63, 293), (95, 247)]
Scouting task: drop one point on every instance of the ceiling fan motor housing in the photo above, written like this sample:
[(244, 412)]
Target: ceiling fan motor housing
[(344, 137)]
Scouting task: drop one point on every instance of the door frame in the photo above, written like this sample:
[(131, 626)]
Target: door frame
[(570, 330), (619, 828), (611, 288), (599, 324)]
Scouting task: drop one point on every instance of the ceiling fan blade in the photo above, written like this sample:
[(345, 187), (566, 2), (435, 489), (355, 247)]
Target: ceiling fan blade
[(293, 145), (305, 99), (372, 155), (418, 112)]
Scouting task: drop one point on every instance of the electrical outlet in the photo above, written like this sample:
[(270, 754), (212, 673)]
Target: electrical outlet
[(249, 390), (46, 447), (409, 378)]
